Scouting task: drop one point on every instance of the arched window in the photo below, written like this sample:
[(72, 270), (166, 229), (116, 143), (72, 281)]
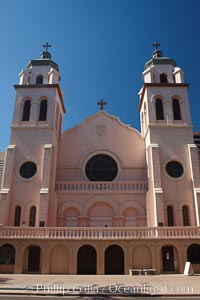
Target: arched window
[(17, 216), (185, 212), (32, 216), (170, 216), (26, 110), (39, 79), (7, 254), (163, 78), (43, 110), (176, 109), (159, 110)]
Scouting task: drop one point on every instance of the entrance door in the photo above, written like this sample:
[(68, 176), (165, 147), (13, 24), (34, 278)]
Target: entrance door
[(114, 260), (168, 258), (86, 260), (34, 259)]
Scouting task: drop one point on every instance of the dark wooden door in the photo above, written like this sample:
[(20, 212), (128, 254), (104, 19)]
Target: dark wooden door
[(168, 258), (114, 260), (34, 259), (86, 260)]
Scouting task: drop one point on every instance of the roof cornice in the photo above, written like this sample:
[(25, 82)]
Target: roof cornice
[(147, 85), (34, 86)]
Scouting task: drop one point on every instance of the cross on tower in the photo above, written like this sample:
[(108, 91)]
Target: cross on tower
[(46, 46), (101, 104), (156, 45)]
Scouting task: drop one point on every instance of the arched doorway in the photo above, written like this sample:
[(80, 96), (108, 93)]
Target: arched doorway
[(168, 258), (7, 258), (193, 253), (34, 259), (114, 260), (86, 260)]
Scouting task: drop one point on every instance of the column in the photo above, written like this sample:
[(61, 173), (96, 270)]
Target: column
[(34, 112), (7, 181), (156, 257), (182, 256), (73, 251), (45, 184), (18, 259), (45, 258), (195, 176), (168, 109), (100, 259), (127, 258), (155, 198)]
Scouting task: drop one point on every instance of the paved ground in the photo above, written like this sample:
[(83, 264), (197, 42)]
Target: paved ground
[(92, 297), (100, 284)]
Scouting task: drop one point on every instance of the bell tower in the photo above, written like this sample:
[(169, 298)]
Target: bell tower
[(173, 196), (28, 184)]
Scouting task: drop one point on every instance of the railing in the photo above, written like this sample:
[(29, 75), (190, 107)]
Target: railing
[(99, 233), (101, 186)]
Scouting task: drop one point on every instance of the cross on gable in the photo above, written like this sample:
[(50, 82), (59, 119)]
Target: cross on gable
[(101, 104), (156, 45), (46, 46)]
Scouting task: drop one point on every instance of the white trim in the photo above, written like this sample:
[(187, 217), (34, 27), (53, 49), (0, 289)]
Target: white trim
[(4, 191), (48, 146), (158, 190), (44, 191), (153, 181)]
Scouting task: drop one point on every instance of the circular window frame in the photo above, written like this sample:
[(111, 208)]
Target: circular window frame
[(20, 164), (178, 161), (88, 157)]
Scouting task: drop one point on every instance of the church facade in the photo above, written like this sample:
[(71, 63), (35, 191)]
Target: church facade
[(101, 197)]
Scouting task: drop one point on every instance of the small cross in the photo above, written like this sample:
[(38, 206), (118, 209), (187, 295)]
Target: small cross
[(46, 46), (156, 45), (101, 104)]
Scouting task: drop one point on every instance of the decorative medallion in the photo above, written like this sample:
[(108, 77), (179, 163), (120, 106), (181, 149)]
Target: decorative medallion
[(101, 129)]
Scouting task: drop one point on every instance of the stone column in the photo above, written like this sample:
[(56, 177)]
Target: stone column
[(7, 186), (182, 255), (46, 258), (156, 257), (127, 259), (73, 259), (18, 269), (100, 260)]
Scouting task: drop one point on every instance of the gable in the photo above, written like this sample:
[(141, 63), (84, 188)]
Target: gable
[(102, 133)]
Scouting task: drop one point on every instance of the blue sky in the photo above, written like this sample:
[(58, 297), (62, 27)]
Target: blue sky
[(101, 47)]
